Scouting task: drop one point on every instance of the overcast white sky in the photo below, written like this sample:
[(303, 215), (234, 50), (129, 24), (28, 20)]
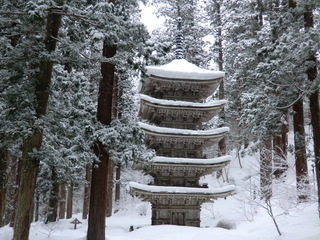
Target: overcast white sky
[(149, 18)]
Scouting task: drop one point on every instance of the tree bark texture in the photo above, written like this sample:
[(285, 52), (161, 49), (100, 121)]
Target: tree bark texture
[(110, 175), (12, 189), (98, 195), (70, 201), (3, 169), (266, 169), (300, 151), (62, 201), (314, 106), (37, 207), (118, 176), (54, 197), (284, 135), (292, 4), (15, 171), (99, 181), (109, 190), (86, 195)]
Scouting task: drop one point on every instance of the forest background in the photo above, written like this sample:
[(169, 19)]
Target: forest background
[(69, 72)]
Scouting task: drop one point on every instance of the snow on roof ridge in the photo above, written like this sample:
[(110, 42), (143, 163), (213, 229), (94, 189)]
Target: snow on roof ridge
[(182, 69), (157, 129), (187, 190), (181, 103), (223, 159)]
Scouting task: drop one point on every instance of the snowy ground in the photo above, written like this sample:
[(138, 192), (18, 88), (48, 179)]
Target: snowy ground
[(301, 224), (248, 220)]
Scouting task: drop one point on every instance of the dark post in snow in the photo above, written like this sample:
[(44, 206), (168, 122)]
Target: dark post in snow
[(75, 222), (179, 40)]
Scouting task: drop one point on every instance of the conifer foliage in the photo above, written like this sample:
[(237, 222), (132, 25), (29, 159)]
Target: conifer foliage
[(50, 57), (267, 53)]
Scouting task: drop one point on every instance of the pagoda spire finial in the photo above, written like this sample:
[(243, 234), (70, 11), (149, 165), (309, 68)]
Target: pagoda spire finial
[(179, 40)]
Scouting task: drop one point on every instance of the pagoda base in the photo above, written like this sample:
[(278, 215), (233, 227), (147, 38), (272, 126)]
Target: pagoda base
[(177, 205), (176, 215)]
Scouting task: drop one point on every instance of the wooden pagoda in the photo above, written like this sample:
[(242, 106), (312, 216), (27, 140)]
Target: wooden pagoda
[(173, 108)]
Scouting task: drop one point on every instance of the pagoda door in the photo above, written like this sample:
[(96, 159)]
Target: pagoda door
[(178, 218)]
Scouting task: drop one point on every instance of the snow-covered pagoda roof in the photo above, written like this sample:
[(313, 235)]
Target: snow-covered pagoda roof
[(197, 105), (182, 196), (182, 190), (182, 132), (182, 69), (209, 161)]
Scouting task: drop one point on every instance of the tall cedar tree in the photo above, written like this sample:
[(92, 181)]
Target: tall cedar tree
[(299, 141), (98, 195), (29, 165), (266, 151), (314, 102), (222, 142), (281, 135)]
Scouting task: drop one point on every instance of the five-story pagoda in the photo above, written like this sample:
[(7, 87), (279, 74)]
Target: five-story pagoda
[(172, 111)]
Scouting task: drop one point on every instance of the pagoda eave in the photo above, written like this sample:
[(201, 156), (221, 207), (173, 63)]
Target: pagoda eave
[(186, 79), (192, 170), (173, 103), (169, 88), (199, 167), (182, 133), (163, 112), (178, 195), (207, 167)]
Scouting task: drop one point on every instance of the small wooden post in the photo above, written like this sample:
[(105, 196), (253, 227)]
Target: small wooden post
[(75, 222)]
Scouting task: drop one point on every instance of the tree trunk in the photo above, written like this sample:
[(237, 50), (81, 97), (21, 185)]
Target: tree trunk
[(16, 168), (111, 164), (54, 197), (118, 175), (278, 158), (62, 201), (300, 151), (28, 176), (30, 165), (98, 195), (70, 201), (37, 207), (292, 4), (11, 190), (314, 106), (284, 135), (222, 142), (280, 147), (109, 190), (266, 169), (3, 169), (86, 197)]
